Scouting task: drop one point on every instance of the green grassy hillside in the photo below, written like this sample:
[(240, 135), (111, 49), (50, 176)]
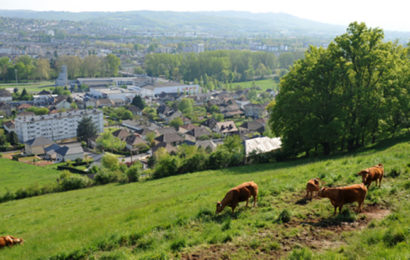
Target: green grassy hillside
[(174, 217), (15, 175)]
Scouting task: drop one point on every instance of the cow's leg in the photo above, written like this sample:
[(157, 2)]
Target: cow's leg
[(359, 206), (247, 200), (254, 200), (334, 213), (380, 181), (340, 209)]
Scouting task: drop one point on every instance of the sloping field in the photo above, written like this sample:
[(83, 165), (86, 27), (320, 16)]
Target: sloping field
[(174, 217), (15, 175)]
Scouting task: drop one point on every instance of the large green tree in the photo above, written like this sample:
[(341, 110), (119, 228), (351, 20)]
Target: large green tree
[(86, 129), (343, 96)]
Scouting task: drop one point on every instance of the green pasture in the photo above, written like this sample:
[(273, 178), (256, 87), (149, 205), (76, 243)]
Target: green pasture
[(31, 87), (264, 84), (174, 217), (15, 175)]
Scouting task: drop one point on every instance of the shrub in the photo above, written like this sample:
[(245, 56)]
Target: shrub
[(106, 176), (178, 245), (69, 181), (395, 172), (197, 162), (166, 166), (7, 196), (218, 159), (109, 161), (393, 236), (133, 172), (284, 216)]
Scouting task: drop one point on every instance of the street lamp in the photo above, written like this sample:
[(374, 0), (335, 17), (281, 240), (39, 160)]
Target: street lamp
[(15, 73)]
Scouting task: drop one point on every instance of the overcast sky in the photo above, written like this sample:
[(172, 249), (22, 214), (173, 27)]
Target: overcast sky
[(388, 15)]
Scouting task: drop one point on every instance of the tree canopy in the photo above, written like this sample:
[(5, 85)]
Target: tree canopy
[(345, 96), (86, 129)]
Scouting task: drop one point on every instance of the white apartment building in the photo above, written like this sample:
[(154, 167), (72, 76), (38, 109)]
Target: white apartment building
[(56, 126)]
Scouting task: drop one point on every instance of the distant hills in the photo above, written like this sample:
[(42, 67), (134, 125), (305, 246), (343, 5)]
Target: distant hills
[(221, 23)]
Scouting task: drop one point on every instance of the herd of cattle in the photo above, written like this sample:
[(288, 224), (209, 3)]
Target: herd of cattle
[(338, 196)]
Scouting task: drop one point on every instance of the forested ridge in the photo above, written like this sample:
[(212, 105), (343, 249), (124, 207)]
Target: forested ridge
[(213, 67)]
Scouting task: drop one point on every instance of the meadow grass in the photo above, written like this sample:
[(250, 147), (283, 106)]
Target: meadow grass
[(264, 84), (15, 175), (174, 216), (31, 86)]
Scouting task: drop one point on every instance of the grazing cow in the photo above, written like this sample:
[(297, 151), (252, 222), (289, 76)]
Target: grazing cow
[(240, 193), (343, 195), (374, 173), (312, 186), (9, 241)]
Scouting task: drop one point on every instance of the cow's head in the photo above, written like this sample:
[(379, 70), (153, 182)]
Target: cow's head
[(321, 191), (18, 241), (364, 174), (218, 207), (316, 181)]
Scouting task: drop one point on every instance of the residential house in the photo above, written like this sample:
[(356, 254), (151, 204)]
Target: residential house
[(226, 128), (121, 134), (51, 152), (168, 147), (189, 140), (133, 125), (23, 107), (135, 142), (211, 123), (37, 145), (199, 132), (6, 108), (9, 126), (5, 96), (170, 138), (257, 125), (254, 110), (104, 102), (63, 104), (207, 145), (117, 102), (70, 152)]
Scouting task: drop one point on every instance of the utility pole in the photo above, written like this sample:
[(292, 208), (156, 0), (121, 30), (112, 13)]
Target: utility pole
[(15, 73)]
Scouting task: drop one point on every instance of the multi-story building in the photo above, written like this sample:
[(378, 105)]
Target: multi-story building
[(56, 126)]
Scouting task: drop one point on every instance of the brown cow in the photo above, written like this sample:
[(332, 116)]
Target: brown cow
[(343, 195), (374, 173), (312, 186), (240, 193), (9, 241)]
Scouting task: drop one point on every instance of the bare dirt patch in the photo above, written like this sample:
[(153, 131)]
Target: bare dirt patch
[(317, 234)]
